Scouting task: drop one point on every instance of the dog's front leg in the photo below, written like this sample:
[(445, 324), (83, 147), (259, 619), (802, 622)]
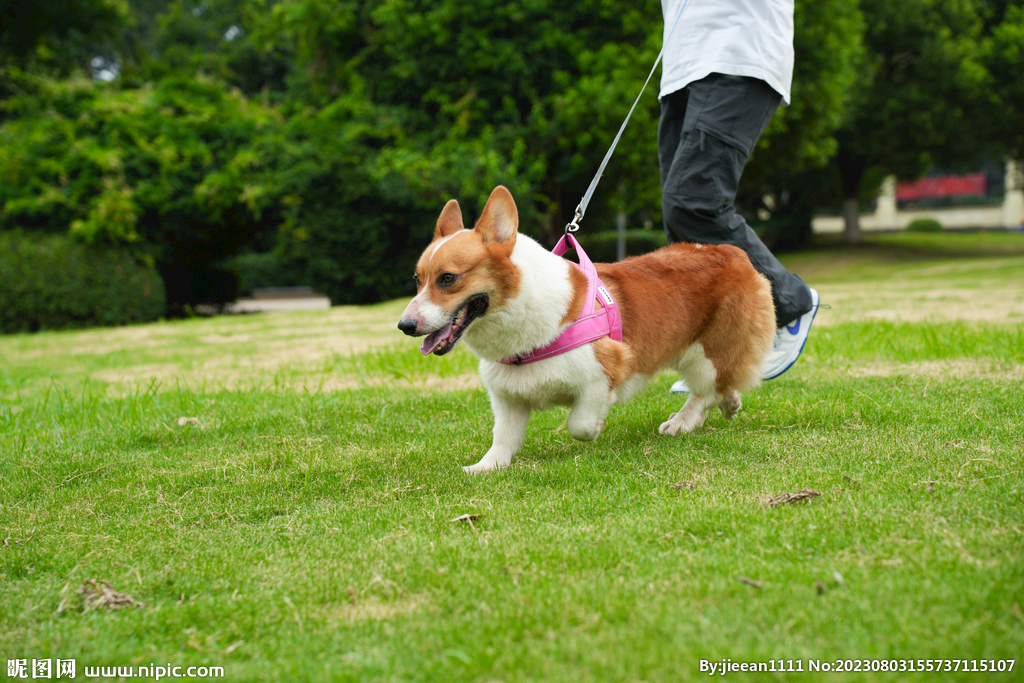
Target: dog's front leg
[(510, 420), (587, 418)]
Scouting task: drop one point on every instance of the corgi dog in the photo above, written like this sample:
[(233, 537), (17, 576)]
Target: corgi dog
[(701, 310)]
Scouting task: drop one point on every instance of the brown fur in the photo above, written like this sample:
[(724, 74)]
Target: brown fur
[(450, 220), (683, 294), (669, 299), (579, 286), (614, 359), (481, 255), (701, 310)]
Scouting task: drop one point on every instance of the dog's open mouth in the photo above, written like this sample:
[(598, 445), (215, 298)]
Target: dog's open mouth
[(444, 340)]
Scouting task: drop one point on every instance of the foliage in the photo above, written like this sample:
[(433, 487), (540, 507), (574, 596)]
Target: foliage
[(348, 227), (323, 137), (215, 38), (457, 102), (924, 225), (784, 231), (50, 282), (169, 167), (1003, 56), (353, 205), (603, 246), (539, 124), (57, 34), (919, 95), (829, 45), (260, 269)]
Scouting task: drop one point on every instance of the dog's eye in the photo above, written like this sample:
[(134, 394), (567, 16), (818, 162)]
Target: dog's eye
[(447, 279)]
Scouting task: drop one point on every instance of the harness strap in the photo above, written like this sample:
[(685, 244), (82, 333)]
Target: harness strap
[(591, 324)]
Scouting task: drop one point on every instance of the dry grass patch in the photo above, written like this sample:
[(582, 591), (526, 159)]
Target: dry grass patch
[(959, 368), (367, 610), (909, 301)]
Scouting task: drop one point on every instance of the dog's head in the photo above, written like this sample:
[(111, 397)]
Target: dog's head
[(463, 274)]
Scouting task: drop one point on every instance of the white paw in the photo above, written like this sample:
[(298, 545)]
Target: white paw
[(485, 465), (674, 426), (586, 432), (669, 427)]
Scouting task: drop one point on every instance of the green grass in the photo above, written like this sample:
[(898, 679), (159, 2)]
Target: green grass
[(301, 529)]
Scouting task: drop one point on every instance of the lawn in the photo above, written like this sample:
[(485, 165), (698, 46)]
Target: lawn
[(282, 495)]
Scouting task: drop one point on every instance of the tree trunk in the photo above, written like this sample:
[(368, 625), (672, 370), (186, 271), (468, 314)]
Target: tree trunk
[(554, 226), (620, 226), (851, 220), (851, 170)]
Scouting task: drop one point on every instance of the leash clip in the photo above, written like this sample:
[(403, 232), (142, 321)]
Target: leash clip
[(574, 224)]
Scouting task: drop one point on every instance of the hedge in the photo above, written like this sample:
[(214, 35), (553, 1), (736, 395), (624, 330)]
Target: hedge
[(924, 225), (50, 282), (171, 168)]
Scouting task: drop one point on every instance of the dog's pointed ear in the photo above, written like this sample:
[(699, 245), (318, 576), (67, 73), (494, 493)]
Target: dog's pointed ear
[(450, 220), (499, 221)]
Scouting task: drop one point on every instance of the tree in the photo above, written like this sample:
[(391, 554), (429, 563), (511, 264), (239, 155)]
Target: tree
[(58, 34), (918, 97), (212, 38), (531, 93), (789, 164), (168, 170), (353, 121), (337, 220), (478, 84), (1003, 56)]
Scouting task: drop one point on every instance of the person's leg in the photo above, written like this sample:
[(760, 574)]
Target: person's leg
[(706, 134)]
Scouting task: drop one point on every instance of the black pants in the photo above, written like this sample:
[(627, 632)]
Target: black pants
[(706, 134)]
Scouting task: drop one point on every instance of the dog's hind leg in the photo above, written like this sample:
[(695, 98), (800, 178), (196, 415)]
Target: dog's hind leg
[(510, 420), (730, 403), (690, 416), (700, 375)]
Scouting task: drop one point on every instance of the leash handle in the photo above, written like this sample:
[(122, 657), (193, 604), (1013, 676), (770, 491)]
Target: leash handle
[(581, 208)]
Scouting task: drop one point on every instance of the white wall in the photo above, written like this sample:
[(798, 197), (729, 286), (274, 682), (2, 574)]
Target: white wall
[(887, 217)]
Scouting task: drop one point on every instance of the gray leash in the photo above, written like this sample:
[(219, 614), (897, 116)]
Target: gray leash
[(574, 224)]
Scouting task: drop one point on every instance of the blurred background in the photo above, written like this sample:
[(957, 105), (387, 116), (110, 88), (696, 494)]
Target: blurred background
[(162, 156)]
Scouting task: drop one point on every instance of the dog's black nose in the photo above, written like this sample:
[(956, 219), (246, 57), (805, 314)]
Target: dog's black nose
[(407, 325)]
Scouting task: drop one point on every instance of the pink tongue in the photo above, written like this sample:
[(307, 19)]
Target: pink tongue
[(434, 339)]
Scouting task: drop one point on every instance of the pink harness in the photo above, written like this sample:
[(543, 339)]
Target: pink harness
[(591, 324)]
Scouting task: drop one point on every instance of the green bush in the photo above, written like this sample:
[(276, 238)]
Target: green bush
[(170, 168), (255, 270), (50, 282), (340, 223), (602, 247), (924, 225)]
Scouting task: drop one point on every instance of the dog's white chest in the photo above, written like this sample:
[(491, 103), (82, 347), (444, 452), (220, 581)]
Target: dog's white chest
[(555, 381)]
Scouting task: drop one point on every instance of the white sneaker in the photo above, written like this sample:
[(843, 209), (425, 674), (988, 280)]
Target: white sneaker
[(680, 388), (789, 342)]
